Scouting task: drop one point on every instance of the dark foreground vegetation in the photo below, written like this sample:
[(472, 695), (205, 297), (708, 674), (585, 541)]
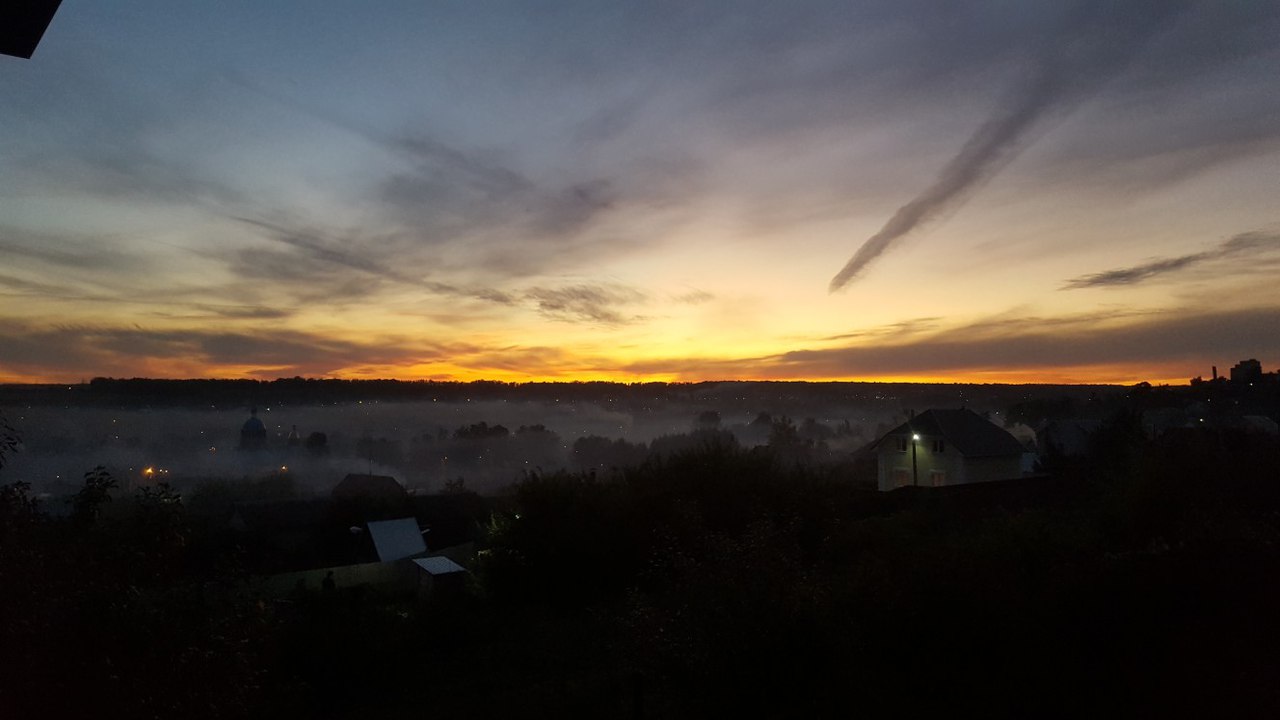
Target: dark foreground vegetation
[(1140, 580)]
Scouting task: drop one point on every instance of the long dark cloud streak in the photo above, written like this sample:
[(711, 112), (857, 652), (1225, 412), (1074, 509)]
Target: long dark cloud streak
[(1249, 243), (1068, 73)]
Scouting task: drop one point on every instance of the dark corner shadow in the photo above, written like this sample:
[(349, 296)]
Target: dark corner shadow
[(23, 23)]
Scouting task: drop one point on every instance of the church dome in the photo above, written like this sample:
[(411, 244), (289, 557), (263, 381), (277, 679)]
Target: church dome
[(253, 434)]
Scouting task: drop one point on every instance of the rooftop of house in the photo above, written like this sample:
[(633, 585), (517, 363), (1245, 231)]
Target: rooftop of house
[(965, 430), (371, 486)]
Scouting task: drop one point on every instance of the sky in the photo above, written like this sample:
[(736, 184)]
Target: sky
[(990, 191)]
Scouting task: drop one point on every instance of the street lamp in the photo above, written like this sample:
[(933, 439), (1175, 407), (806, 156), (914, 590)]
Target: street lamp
[(915, 477)]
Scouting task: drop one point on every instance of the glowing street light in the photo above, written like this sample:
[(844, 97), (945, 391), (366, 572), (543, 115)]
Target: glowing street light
[(915, 475)]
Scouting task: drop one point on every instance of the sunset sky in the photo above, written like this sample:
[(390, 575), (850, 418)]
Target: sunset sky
[(1089, 191)]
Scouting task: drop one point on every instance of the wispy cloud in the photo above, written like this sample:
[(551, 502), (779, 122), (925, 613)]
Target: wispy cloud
[(313, 245), (481, 216), (62, 251), (586, 303), (439, 160), (1096, 47), (1242, 245), (235, 312), (693, 297), (906, 327), (316, 261)]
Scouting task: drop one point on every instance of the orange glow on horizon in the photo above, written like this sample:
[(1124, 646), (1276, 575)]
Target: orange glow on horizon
[(1093, 375)]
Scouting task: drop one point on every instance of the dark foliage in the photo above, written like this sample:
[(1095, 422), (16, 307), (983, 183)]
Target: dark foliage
[(9, 440), (738, 583), (1140, 580)]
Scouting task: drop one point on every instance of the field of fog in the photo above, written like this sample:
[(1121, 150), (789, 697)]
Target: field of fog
[(487, 445)]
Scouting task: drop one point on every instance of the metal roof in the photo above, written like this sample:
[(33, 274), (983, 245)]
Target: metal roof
[(439, 565), (396, 539)]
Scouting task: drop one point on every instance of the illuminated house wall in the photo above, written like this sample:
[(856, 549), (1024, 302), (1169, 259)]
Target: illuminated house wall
[(950, 447)]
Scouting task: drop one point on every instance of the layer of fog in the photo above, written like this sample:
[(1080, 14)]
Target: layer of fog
[(416, 442)]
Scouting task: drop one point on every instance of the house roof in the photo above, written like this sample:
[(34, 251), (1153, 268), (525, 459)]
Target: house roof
[(396, 539), (439, 565), (369, 486), (965, 430)]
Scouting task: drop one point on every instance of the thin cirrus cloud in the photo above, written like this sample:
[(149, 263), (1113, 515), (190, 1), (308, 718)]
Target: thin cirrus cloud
[(1244, 245), (587, 303), (481, 216), (470, 201), (1094, 48), (312, 259)]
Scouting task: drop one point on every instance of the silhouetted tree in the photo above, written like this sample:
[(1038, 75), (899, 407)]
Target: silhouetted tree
[(707, 420), (597, 452), (87, 504), (481, 431), (17, 508), (318, 443), (9, 440), (813, 430), (380, 450), (783, 433)]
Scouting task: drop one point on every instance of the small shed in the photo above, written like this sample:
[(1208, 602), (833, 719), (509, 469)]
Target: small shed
[(440, 576)]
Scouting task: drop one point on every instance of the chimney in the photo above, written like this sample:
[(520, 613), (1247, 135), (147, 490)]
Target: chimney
[(1215, 372)]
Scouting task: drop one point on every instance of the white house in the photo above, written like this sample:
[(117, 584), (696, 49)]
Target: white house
[(946, 447)]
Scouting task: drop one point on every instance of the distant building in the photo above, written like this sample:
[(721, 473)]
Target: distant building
[(369, 487), (1246, 371), (253, 434), (946, 447), (440, 576)]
